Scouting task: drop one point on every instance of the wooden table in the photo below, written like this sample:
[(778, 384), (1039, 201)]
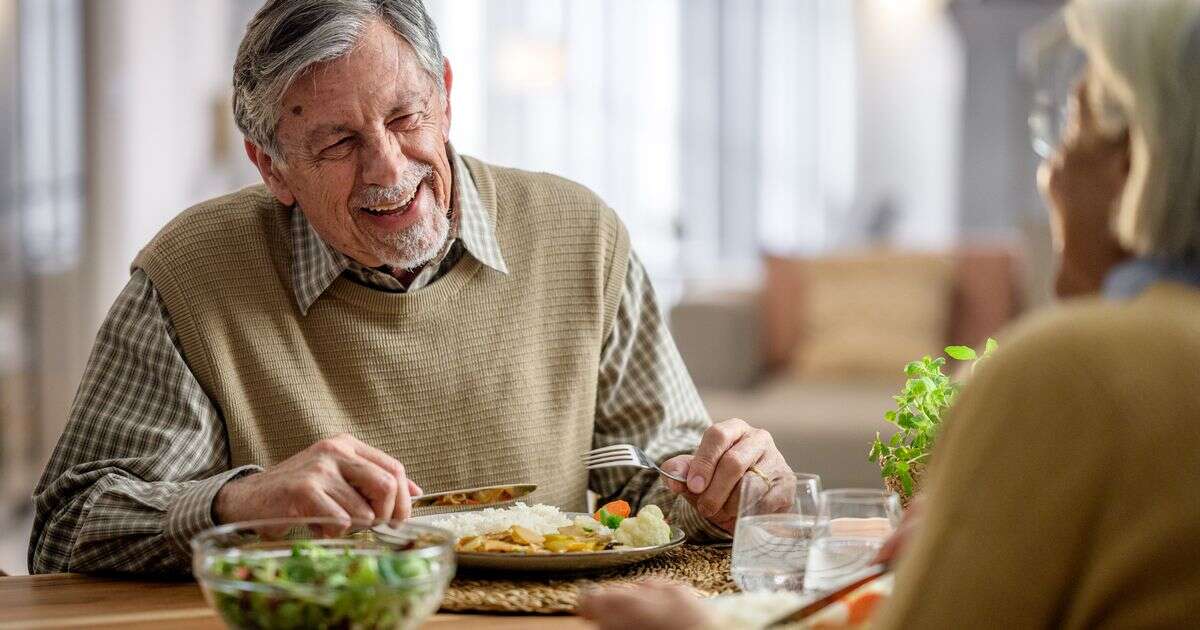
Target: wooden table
[(68, 600)]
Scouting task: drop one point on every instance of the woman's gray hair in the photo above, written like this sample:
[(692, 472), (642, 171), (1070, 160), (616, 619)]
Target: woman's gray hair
[(286, 37), (1144, 75)]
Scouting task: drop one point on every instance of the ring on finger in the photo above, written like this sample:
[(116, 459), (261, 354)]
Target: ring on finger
[(761, 475)]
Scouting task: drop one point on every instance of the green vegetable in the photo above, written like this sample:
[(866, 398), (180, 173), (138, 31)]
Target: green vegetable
[(918, 414), (610, 520), (324, 588)]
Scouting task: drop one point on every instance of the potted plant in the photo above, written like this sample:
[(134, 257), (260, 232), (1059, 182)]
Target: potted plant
[(927, 394)]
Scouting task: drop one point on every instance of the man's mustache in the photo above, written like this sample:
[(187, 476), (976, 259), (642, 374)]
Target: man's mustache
[(374, 196)]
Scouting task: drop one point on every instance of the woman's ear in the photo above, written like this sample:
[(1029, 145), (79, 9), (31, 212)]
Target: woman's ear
[(268, 168)]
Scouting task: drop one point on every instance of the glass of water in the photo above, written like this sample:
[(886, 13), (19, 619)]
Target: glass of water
[(851, 527), (775, 524)]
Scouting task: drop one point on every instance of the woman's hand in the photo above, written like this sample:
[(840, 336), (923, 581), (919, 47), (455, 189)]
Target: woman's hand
[(647, 605), (1083, 182), (910, 524)]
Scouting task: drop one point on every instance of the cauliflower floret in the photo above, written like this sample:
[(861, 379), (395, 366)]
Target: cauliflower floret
[(592, 525), (647, 529)]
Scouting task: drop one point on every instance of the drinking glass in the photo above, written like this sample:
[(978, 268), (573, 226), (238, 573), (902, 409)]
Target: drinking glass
[(1053, 65), (775, 523), (851, 527)]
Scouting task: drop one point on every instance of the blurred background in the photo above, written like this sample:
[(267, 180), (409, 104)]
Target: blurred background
[(822, 190)]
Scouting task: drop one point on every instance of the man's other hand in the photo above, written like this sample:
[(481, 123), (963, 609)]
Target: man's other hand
[(714, 472), (339, 477)]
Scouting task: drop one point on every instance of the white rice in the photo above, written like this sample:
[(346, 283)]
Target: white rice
[(751, 610), (543, 519)]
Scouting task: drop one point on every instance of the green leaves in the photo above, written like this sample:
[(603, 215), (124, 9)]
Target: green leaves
[(918, 413), (358, 590), (962, 353)]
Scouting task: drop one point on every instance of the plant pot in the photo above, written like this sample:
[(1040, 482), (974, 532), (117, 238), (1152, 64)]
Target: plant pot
[(893, 483)]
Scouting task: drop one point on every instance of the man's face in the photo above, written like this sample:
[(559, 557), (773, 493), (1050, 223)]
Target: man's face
[(363, 141)]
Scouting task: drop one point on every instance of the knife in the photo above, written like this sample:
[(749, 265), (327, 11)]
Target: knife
[(472, 497)]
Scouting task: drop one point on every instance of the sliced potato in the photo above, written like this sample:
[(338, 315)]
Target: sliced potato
[(575, 531), (518, 539), (503, 547), (558, 545), (471, 543), (525, 536)]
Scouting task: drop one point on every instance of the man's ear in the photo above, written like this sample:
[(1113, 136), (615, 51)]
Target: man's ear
[(448, 79), (270, 174)]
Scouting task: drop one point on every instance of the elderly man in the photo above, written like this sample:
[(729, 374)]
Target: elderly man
[(382, 312)]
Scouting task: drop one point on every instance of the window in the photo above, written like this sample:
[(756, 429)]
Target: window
[(721, 128)]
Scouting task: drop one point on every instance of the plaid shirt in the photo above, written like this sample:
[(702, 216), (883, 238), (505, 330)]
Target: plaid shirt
[(144, 452)]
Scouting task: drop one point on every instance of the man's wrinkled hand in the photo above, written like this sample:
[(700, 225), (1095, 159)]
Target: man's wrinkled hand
[(714, 472), (339, 477)]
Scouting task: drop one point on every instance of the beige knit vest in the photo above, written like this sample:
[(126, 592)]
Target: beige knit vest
[(480, 378)]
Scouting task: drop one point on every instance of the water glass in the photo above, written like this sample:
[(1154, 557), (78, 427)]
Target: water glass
[(775, 523), (851, 527)]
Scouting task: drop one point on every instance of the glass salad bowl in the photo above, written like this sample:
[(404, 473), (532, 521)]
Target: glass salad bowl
[(319, 573)]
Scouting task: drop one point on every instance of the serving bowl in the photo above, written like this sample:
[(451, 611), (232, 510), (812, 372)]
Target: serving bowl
[(319, 573)]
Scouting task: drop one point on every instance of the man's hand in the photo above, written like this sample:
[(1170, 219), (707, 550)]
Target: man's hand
[(649, 605), (338, 477), (714, 472)]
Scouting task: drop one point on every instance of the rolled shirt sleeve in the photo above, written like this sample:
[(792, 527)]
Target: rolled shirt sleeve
[(645, 397), (144, 453)]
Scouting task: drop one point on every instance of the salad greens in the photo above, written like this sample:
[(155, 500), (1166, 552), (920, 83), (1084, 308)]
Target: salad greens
[(319, 587), (918, 414)]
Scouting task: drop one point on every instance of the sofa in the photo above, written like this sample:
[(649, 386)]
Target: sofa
[(815, 351)]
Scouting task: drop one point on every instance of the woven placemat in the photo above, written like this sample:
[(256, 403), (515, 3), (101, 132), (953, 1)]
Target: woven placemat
[(705, 569)]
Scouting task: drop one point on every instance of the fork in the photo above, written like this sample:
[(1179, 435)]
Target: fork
[(623, 455)]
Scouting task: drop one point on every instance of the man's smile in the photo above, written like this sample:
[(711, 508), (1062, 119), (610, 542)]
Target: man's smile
[(401, 214)]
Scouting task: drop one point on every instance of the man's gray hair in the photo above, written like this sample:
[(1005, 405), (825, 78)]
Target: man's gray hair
[(286, 37)]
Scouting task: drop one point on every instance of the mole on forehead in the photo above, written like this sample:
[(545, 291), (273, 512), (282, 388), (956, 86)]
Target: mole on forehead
[(297, 110)]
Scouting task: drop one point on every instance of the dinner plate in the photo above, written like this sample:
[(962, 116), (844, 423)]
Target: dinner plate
[(560, 562)]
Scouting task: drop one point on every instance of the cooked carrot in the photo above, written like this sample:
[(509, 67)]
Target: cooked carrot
[(863, 607), (616, 508)]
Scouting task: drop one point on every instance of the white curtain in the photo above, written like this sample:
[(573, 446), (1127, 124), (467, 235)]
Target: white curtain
[(586, 90), (720, 129)]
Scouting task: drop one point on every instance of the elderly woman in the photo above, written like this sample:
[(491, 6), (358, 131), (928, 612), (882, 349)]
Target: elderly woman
[(1066, 489)]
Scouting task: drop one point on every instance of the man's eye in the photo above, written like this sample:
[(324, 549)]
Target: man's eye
[(405, 121), (340, 144)]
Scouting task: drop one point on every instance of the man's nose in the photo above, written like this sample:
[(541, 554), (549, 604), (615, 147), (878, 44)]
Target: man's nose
[(383, 163)]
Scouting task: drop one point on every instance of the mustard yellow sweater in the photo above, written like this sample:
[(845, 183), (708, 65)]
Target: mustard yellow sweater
[(1066, 490)]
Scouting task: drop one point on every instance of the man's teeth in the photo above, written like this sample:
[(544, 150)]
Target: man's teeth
[(392, 208)]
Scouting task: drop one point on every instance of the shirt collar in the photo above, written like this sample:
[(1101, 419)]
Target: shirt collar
[(476, 227), (316, 264), (1129, 279)]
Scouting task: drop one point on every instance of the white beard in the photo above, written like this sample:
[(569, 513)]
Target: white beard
[(415, 245)]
